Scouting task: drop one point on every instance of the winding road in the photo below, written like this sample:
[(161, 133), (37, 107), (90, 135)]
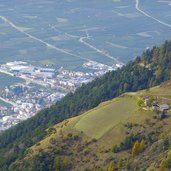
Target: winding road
[(81, 40), (38, 39), (99, 50), (137, 6)]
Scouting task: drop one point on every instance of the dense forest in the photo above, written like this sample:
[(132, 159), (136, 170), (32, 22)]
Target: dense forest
[(152, 68)]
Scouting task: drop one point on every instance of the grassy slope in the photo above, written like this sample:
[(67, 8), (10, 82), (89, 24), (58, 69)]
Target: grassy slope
[(100, 120), (106, 124)]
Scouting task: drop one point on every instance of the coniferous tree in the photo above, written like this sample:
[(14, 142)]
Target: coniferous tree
[(142, 145), (135, 149), (111, 166)]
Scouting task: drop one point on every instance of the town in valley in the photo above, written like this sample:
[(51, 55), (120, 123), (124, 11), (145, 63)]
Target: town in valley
[(41, 87)]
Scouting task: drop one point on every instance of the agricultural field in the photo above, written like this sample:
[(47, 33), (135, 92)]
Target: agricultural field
[(71, 32)]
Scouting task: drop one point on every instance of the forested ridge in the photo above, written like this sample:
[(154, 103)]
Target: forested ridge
[(152, 68)]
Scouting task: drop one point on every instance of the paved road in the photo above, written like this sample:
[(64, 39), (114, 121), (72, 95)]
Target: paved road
[(5, 72), (99, 50), (149, 16), (9, 102), (38, 39)]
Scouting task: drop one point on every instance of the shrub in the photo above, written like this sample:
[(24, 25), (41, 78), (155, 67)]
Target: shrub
[(58, 150), (52, 141), (115, 149), (140, 102), (166, 144), (162, 115), (166, 164), (75, 136)]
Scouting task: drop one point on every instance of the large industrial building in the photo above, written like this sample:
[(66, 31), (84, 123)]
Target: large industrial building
[(20, 67)]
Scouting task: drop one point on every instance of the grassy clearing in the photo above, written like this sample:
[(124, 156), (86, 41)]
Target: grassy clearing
[(97, 122)]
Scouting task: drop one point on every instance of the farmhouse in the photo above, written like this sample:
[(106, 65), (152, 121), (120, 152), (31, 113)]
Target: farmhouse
[(160, 107)]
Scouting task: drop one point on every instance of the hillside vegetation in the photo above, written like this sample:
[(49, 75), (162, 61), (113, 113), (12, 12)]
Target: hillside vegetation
[(74, 145), (151, 69)]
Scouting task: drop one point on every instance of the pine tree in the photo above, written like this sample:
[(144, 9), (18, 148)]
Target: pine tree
[(135, 169), (127, 165), (57, 164), (119, 164), (142, 144), (66, 162), (111, 166), (135, 149)]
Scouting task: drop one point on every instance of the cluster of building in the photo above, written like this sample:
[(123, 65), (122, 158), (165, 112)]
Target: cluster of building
[(25, 101), (97, 66), (5, 110), (42, 88), (153, 104), (93, 65), (49, 77), (72, 79), (19, 68)]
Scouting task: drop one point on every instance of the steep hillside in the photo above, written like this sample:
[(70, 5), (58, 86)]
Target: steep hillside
[(108, 134), (151, 69)]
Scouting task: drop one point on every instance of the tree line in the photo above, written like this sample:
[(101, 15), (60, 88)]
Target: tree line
[(152, 68)]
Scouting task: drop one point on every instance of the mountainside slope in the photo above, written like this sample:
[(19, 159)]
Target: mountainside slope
[(72, 146), (151, 69), (98, 121)]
